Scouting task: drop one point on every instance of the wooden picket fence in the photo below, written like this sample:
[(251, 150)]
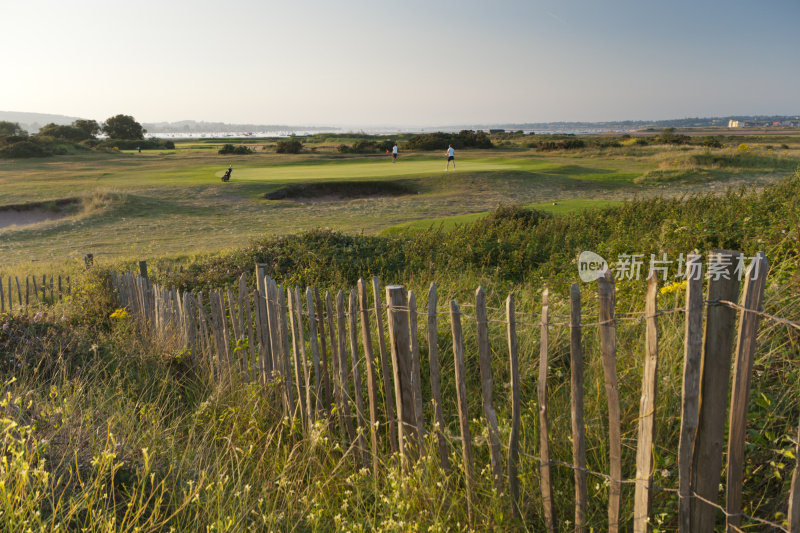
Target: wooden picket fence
[(299, 343), (32, 290)]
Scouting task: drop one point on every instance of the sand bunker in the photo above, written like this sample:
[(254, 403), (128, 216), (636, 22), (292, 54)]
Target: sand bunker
[(33, 213), (339, 190), (14, 217)]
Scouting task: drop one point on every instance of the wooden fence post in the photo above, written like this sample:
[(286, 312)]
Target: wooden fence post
[(299, 372), (608, 346), (647, 414), (690, 395), (336, 389), (282, 309), (416, 376), (343, 373), (513, 439), (436, 386), (372, 387), (142, 268), (544, 427), (313, 339), (714, 379), (352, 311), (386, 371), (752, 299), (576, 404), (280, 349), (401, 364), (461, 398), (326, 378), (484, 352)]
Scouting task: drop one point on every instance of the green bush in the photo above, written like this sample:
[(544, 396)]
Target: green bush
[(289, 146), (231, 149), (553, 145), (69, 133), (133, 144), (440, 140), (668, 136), (25, 149), (710, 141)]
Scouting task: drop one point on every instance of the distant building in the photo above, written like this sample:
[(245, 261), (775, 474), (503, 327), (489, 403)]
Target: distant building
[(734, 124)]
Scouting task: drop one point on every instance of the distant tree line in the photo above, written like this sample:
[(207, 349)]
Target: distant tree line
[(366, 146), (123, 132), (440, 140)]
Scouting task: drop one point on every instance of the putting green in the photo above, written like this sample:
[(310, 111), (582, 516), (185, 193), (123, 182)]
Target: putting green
[(355, 170)]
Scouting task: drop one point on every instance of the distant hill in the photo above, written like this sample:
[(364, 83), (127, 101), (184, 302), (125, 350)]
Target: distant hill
[(32, 122), (193, 126), (690, 122)]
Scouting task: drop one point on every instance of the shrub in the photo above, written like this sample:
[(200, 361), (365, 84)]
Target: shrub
[(25, 149), (231, 149), (133, 144), (562, 144), (440, 140), (668, 136), (711, 141), (289, 146)]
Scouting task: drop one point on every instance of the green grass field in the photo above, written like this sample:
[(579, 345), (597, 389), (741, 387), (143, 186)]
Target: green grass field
[(168, 203)]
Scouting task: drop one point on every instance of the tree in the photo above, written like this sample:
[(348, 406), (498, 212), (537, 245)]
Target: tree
[(91, 127), (289, 146), (123, 127), (70, 133), (9, 129)]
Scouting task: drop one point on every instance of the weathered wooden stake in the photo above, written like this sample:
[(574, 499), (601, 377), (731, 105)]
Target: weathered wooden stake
[(576, 403), (690, 395), (298, 365), (513, 439), (461, 397), (485, 354), (352, 311), (608, 347), (372, 386), (386, 371), (647, 415), (337, 387), (401, 365), (313, 339), (714, 380), (752, 299), (343, 372), (327, 397), (544, 431), (416, 377), (436, 387)]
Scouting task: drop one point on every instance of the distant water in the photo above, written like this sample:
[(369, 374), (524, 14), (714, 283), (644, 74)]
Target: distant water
[(370, 131)]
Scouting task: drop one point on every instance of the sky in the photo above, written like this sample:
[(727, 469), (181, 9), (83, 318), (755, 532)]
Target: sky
[(410, 63)]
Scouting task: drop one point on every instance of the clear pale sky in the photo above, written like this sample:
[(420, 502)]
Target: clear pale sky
[(404, 63)]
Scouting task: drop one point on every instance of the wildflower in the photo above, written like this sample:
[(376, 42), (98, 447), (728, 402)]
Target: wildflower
[(673, 287), (120, 313)]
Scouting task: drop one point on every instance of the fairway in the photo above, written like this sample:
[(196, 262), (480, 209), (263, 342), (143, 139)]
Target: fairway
[(172, 203), (349, 169)]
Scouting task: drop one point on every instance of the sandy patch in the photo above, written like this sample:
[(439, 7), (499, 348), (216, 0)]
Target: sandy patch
[(25, 217)]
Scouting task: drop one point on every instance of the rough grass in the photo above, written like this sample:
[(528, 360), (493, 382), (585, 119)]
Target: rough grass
[(105, 428)]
